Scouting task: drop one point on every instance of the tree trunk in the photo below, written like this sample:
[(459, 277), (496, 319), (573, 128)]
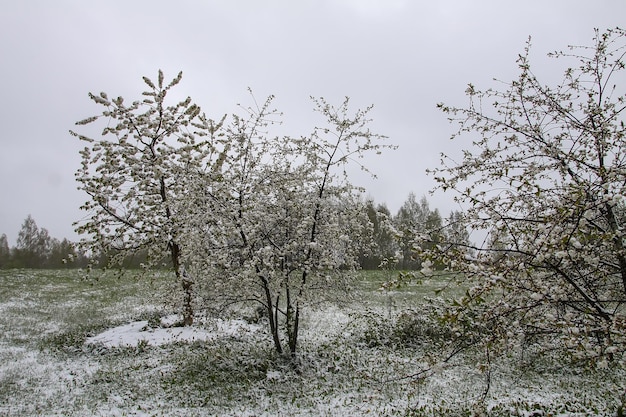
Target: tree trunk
[(186, 283), (272, 313), (182, 277), (187, 301), (293, 336)]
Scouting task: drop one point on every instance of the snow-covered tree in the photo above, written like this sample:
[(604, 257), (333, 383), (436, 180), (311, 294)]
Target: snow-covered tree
[(252, 217), (286, 215), (545, 178), (137, 170)]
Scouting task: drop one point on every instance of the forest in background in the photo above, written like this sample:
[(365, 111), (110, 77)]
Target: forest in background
[(390, 242)]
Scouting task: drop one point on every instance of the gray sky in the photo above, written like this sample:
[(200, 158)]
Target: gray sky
[(402, 56)]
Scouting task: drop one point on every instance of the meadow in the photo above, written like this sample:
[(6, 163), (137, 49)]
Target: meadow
[(365, 356)]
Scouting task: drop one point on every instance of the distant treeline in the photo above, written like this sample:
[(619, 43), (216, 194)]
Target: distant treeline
[(35, 248), (391, 242)]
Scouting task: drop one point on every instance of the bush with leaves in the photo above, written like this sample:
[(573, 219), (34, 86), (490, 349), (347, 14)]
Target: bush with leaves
[(545, 179)]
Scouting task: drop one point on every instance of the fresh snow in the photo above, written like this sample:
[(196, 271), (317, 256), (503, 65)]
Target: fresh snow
[(132, 334), (43, 372)]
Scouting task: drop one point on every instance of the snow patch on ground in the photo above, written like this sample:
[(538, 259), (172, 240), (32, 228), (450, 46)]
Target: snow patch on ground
[(132, 334)]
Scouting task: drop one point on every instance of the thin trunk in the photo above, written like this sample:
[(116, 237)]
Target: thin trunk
[(289, 325), (279, 347), (293, 330), (174, 247), (272, 313), (186, 282), (272, 308), (293, 340)]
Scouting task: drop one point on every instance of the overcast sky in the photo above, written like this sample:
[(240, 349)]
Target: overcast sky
[(402, 56)]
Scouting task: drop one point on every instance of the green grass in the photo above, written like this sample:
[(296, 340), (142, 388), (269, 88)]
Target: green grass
[(408, 288), (38, 304), (353, 360)]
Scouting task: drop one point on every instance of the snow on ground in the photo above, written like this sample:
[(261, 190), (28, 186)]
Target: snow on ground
[(132, 334), (44, 371), (34, 381)]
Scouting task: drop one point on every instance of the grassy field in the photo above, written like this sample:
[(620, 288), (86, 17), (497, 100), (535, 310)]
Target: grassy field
[(356, 359)]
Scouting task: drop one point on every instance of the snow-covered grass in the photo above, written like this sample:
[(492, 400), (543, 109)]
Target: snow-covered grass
[(70, 347)]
